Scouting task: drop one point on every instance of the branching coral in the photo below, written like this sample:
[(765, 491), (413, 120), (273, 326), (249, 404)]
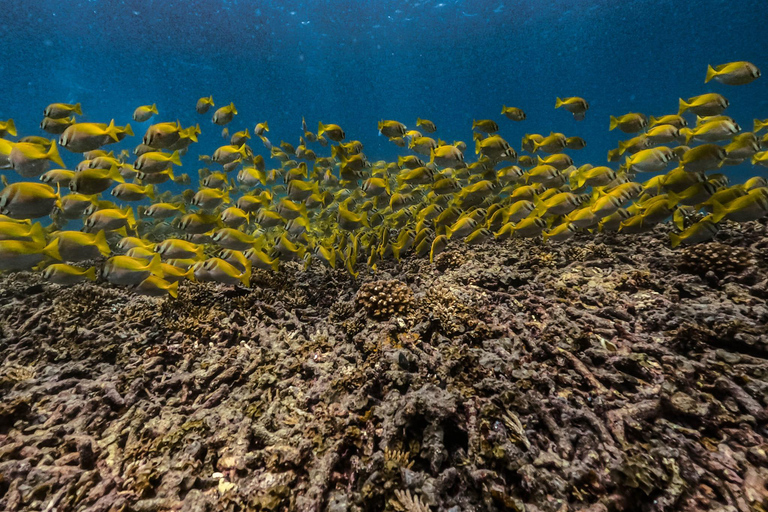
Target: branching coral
[(383, 299), (715, 257)]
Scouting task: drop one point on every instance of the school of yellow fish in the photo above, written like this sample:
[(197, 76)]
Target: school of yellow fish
[(344, 210)]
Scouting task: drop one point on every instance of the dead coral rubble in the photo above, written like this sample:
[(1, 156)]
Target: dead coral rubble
[(590, 375)]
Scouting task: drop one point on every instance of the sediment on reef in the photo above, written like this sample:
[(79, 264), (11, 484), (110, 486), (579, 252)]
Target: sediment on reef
[(601, 374)]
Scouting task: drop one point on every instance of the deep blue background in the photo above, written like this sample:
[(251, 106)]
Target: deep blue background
[(354, 62)]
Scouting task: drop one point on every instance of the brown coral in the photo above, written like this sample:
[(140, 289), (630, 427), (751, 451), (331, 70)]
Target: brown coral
[(589, 251), (718, 258), (383, 299), (450, 260)]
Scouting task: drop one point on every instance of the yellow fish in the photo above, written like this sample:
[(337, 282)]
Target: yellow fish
[(203, 104), (334, 131), (699, 232), (733, 73), (127, 271), (31, 160), (224, 115), (156, 286), (711, 104), (629, 123), (25, 200), (391, 129), (144, 112), (61, 110), (8, 128), (513, 113), (575, 105), (485, 125), (63, 274), (20, 255)]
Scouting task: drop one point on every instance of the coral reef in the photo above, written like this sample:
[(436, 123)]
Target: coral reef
[(383, 299), (715, 257), (541, 377)]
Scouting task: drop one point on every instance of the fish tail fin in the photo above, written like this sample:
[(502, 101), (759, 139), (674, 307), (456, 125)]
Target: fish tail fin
[(130, 219), (153, 108), (52, 249), (336, 152), (128, 130), (351, 267), (652, 121), (431, 155), (149, 190), (245, 278), (114, 174), (503, 108), (155, 266), (711, 73), (558, 103), (37, 233), (613, 123), (112, 131), (77, 109), (688, 135), (10, 127), (53, 155), (718, 211), (678, 219), (674, 240), (320, 128), (672, 200), (683, 106), (100, 241), (759, 125), (90, 274), (232, 108), (175, 158), (173, 290)]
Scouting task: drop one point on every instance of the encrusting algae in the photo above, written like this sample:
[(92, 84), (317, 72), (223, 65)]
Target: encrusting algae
[(348, 212)]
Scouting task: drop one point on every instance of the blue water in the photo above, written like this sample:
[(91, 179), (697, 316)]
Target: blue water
[(356, 62)]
